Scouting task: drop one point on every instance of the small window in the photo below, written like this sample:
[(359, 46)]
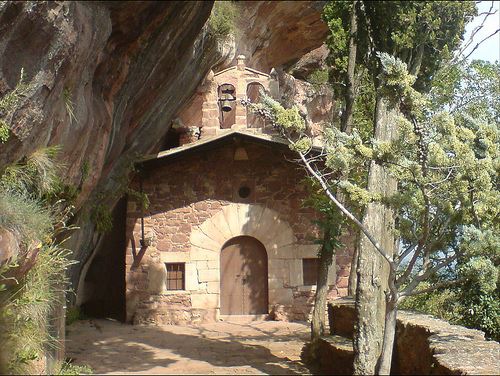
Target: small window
[(310, 268), (175, 276), (244, 191)]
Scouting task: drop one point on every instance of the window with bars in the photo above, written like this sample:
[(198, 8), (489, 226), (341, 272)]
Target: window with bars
[(176, 276), (310, 271)]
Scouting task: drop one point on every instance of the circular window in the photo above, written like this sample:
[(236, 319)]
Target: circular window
[(244, 192)]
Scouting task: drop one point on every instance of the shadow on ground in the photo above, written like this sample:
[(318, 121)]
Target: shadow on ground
[(108, 346)]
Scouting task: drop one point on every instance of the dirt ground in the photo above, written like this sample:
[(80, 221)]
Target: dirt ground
[(257, 347)]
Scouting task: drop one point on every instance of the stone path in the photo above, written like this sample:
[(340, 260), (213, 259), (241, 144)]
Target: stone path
[(258, 347)]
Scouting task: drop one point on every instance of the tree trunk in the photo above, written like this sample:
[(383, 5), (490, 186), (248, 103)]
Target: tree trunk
[(372, 269), (353, 276), (318, 322), (385, 361), (346, 120)]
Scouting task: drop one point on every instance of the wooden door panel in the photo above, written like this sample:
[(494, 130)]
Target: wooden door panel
[(244, 287)]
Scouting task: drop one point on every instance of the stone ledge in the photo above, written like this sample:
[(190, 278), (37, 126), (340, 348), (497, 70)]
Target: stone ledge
[(424, 344), (335, 353)]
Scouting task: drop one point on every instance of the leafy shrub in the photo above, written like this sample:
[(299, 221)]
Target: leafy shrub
[(442, 304), (221, 22), (318, 78), (74, 314), (85, 170), (35, 175), (465, 305), (102, 217), (31, 208), (8, 103), (27, 308), (24, 216), (4, 131), (68, 368)]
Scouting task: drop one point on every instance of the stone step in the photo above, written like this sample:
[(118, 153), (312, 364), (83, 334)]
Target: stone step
[(243, 319), (341, 317)]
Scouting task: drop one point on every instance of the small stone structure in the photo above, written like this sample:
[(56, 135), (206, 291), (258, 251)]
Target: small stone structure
[(424, 345), (205, 115), (233, 184)]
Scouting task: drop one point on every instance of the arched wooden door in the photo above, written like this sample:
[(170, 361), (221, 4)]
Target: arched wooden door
[(243, 280)]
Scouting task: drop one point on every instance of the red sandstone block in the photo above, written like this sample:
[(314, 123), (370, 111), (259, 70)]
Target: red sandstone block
[(180, 238), (342, 282), (343, 260), (208, 131), (342, 291), (164, 245), (343, 272), (201, 205), (185, 227)]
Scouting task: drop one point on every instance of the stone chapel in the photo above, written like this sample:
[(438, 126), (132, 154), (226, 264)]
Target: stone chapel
[(226, 232)]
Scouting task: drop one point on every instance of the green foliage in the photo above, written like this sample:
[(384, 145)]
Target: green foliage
[(442, 304), (24, 216), (448, 173), (463, 305), (139, 196), (37, 279), (289, 119), (4, 132), (35, 174), (27, 308), (222, 20), (8, 103), (85, 170), (68, 368), (62, 191), (336, 15), (102, 217), (74, 314), (302, 145), (481, 310), (421, 34), (68, 104), (446, 167), (332, 221), (12, 99), (318, 78), (25, 187)]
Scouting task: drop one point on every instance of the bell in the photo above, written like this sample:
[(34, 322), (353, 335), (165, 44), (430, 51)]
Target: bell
[(226, 106), (226, 102)]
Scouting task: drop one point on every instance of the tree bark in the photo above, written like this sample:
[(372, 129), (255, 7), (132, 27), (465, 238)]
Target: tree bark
[(353, 276), (318, 322), (372, 269), (346, 120), (384, 367)]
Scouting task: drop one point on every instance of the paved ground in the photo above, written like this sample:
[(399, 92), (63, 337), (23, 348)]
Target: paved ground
[(258, 347)]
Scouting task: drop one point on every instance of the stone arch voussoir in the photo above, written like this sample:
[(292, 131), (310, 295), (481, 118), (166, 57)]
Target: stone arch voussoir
[(233, 220)]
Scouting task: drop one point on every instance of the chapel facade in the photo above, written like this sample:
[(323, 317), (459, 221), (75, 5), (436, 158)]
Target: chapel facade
[(226, 232)]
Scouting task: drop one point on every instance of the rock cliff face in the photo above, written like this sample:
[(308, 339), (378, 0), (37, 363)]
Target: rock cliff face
[(105, 80)]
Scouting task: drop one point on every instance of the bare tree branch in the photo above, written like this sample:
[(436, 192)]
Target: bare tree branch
[(434, 287)]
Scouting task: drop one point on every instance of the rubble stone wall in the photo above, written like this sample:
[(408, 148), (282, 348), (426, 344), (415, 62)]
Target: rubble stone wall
[(195, 208)]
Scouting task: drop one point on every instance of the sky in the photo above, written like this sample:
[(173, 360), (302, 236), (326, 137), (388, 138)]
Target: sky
[(490, 49)]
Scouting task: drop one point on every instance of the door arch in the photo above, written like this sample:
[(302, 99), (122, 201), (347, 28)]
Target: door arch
[(243, 277)]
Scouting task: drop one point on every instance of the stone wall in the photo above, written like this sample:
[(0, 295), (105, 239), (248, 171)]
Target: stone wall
[(424, 345), (195, 209)]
